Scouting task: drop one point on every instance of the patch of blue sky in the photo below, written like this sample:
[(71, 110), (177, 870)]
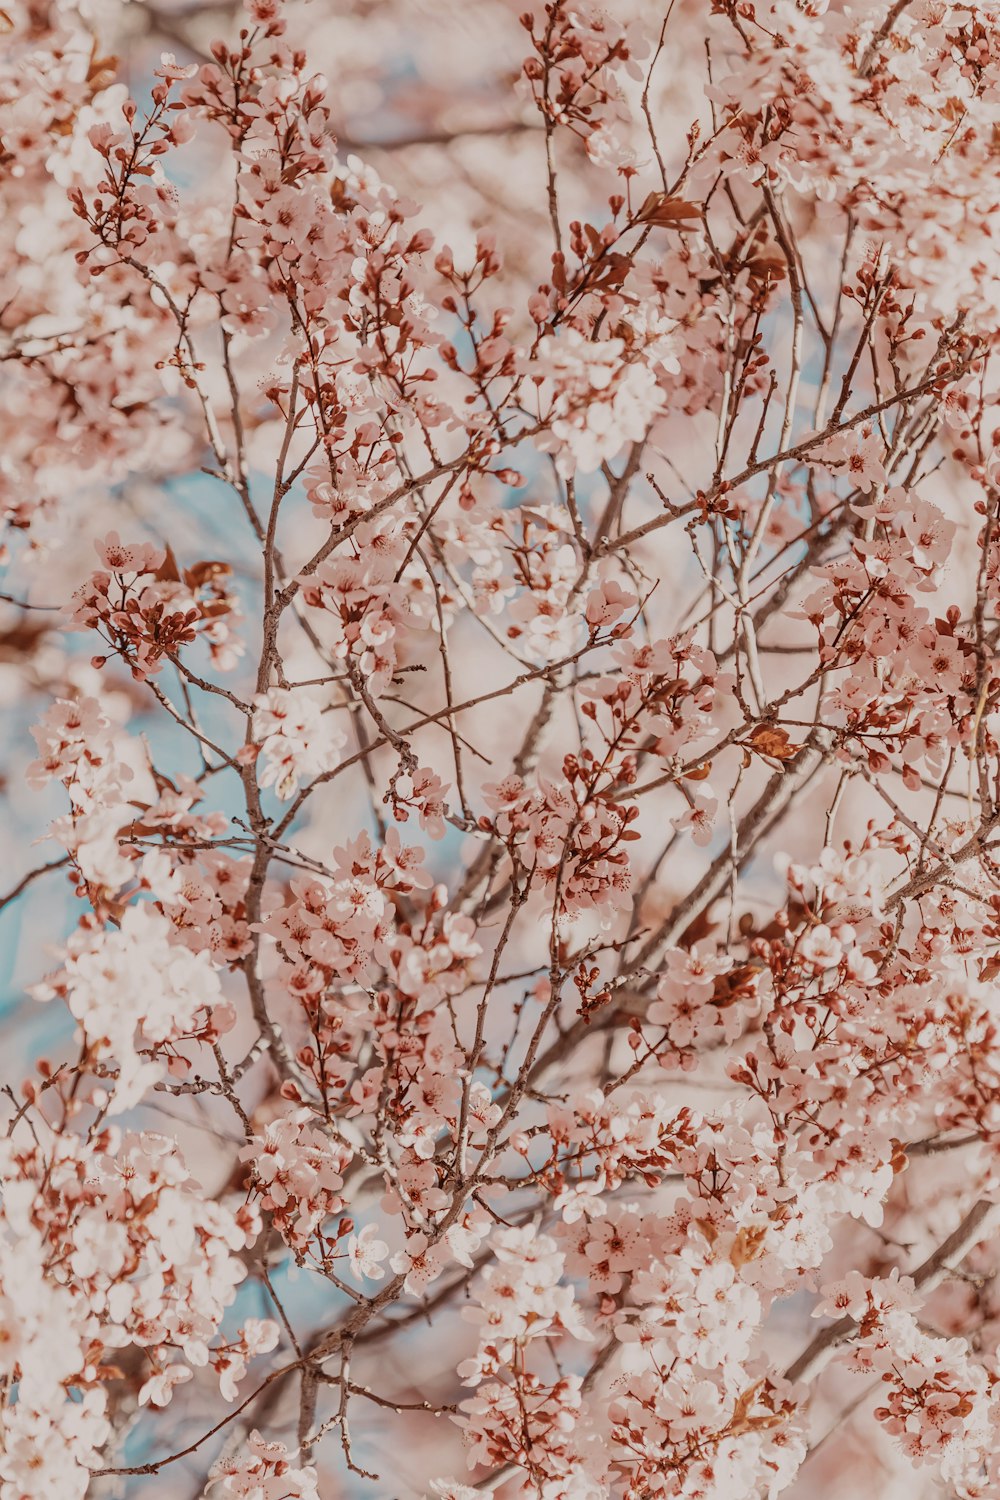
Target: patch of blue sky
[(216, 508), (302, 1294), (184, 166), (384, 124), (44, 914)]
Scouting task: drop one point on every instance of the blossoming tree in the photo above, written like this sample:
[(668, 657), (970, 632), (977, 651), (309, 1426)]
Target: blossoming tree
[(502, 562)]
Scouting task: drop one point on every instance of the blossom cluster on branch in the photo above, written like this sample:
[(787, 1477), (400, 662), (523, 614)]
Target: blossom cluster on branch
[(501, 549)]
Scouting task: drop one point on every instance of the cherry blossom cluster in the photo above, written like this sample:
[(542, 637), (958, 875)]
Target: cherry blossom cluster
[(146, 611), (294, 741), (520, 810), (141, 1262), (262, 1469)]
